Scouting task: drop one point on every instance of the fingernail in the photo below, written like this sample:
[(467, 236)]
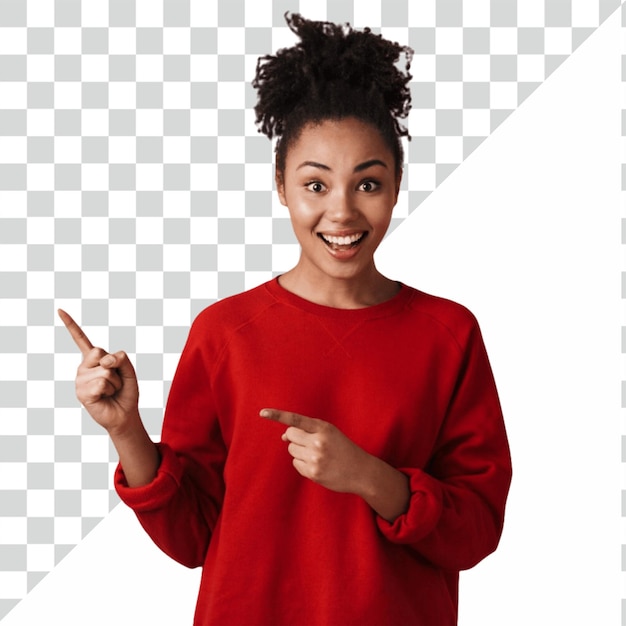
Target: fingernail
[(265, 413), (107, 361)]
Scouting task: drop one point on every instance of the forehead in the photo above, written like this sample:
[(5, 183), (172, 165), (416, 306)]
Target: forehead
[(338, 141)]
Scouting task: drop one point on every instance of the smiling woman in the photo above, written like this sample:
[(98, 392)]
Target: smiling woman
[(340, 185), (391, 468)]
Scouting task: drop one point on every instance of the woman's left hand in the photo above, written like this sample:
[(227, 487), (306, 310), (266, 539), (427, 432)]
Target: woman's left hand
[(322, 453)]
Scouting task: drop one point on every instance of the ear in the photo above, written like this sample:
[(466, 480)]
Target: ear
[(280, 187)]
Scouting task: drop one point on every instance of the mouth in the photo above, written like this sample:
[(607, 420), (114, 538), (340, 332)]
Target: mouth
[(346, 242)]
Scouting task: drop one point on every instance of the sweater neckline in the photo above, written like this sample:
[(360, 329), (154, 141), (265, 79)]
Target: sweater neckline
[(387, 307)]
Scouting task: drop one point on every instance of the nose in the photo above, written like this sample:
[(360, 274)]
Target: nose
[(342, 207)]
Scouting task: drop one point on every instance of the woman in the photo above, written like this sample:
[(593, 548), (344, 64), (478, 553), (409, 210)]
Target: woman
[(381, 468)]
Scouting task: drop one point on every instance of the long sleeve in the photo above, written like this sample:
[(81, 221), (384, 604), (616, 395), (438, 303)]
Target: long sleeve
[(179, 508), (456, 510), (408, 380)]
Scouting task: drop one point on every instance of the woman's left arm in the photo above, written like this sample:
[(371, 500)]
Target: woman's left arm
[(322, 453), (451, 511)]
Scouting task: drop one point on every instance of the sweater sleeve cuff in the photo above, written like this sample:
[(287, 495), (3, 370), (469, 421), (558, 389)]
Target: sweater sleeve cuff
[(425, 508), (157, 493)]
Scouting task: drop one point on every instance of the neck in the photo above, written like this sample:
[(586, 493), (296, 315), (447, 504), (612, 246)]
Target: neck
[(340, 293)]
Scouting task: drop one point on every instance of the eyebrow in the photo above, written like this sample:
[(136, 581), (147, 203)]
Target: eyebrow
[(359, 168)]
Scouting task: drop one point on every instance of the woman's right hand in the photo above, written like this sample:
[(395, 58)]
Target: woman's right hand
[(106, 384)]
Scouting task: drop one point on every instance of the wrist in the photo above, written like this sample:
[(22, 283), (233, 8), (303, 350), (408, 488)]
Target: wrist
[(129, 429), (385, 489), (138, 454)]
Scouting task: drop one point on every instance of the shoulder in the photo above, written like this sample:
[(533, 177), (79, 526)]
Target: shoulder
[(448, 316), (231, 313)]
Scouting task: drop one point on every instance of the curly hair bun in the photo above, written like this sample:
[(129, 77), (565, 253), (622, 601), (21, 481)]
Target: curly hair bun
[(333, 71)]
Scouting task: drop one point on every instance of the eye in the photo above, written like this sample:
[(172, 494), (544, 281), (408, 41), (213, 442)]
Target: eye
[(315, 186), (369, 185)]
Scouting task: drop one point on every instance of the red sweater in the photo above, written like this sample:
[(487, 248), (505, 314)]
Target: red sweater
[(408, 380)]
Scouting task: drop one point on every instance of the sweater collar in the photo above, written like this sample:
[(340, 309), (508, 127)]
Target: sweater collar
[(394, 304)]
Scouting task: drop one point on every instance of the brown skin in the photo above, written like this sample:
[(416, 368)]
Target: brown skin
[(106, 385), (340, 179)]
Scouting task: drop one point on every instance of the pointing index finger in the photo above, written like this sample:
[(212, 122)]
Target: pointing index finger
[(308, 424), (79, 337)]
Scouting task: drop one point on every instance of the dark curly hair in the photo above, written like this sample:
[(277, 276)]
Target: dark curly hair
[(334, 72)]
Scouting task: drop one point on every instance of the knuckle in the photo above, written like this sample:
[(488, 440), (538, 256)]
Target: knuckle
[(295, 420), (98, 388), (107, 374), (115, 380), (320, 444), (315, 473)]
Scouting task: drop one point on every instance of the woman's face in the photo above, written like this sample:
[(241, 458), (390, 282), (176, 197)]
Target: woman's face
[(340, 186)]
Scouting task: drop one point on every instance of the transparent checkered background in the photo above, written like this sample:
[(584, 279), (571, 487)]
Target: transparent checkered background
[(135, 190)]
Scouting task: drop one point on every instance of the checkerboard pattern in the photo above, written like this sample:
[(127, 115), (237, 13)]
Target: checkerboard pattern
[(135, 190)]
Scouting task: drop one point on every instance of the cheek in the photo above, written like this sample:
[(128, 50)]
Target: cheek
[(381, 217), (302, 223), (304, 213)]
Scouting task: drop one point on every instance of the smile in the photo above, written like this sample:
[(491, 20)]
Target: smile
[(338, 243)]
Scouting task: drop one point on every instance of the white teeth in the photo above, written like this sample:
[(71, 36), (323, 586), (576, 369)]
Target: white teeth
[(342, 241)]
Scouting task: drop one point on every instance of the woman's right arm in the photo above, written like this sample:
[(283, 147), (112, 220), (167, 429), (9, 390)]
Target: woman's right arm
[(176, 487)]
